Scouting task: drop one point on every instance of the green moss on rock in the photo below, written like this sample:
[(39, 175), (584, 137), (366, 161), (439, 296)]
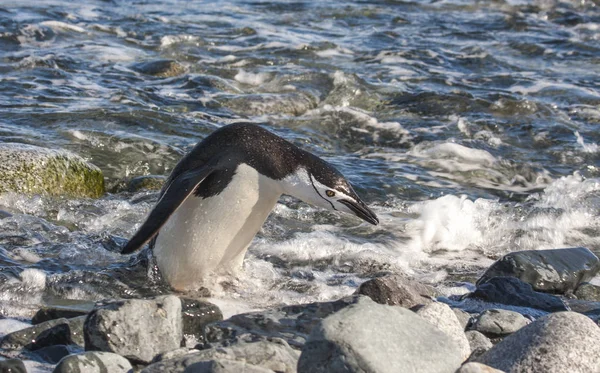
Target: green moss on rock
[(31, 169)]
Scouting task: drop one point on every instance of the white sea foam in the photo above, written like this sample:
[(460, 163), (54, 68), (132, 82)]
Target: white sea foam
[(587, 148), (254, 79)]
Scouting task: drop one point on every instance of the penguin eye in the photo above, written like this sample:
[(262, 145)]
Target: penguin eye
[(330, 193)]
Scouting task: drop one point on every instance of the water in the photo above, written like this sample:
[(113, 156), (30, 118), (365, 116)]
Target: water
[(469, 127)]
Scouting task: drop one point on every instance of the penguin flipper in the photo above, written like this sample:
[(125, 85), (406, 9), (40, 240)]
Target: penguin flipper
[(172, 197)]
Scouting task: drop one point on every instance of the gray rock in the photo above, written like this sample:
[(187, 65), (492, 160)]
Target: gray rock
[(369, 337), (27, 336), (173, 354), (478, 341), (556, 343), (224, 366), (69, 332), (94, 362), (12, 366), (67, 311), (290, 323), (276, 355), (159, 68), (587, 291), (514, 292), (196, 314), (442, 317), (397, 290), (555, 271), (137, 329), (34, 170), (473, 367), (53, 354), (464, 318), (499, 323)]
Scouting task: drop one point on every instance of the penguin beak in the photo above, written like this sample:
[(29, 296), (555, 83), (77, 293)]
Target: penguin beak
[(361, 210)]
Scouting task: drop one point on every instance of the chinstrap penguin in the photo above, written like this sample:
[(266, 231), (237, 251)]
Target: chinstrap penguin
[(219, 195)]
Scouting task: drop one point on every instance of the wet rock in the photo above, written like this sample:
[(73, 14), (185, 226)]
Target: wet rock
[(67, 333), (442, 317), (478, 342), (149, 182), (159, 68), (66, 311), (12, 366), (473, 367), (137, 329), (275, 355), (397, 290), (499, 323), (555, 271), (514, 292), (290, 323), (556, 343), (368, 337), (224, 366), (260, 104), (173, 354), (196, 314), (587, 291), (53, 354), (464, 318), (34, 170), (28, 336), (94, 362)]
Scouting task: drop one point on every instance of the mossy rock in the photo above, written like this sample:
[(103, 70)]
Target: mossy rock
[(31, 169)]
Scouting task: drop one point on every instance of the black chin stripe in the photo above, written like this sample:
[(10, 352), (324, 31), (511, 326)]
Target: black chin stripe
[(316, 190)]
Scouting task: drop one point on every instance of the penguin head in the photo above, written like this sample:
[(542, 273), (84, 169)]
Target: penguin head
[(320, 184)]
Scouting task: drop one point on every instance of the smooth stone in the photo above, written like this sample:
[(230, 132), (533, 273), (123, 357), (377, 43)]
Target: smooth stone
[(442, 317), (32, 169), (53, 354), (478, 341), (556, 343), (224, 366), (197, 314), (369, 337), (499, 323), (67, 311), (159, 68), (94, 362), (589, 292), (138, 329), (397, 290), (274, 355), (290, 323), (12, 366), (514, 292), (464, 318), (473, 367), (554, 271), (27, 336)]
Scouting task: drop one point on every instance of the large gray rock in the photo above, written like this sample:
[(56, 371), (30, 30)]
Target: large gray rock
[(442, 317), (555, 271), (275, 355), (368, 337), (290, 323), (556, 343), (473, 367), (224, 366), (94, 362), (499, 323), (34, 170), (137, 329), (397, 290)]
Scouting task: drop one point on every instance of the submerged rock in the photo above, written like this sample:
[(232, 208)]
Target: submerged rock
[(295, 103), (397, 290), (442, 317), (514, 292), (556, 343), (94, 362), (587, 291), (499, 323), (159, 68), (554, 271), (35, 170), (368, 337), (275, 355), (138, 329)]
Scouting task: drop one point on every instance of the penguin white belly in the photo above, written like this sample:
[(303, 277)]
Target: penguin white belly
[(207, 235)]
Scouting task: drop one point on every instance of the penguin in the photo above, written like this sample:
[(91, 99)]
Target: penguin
[(219, 195)]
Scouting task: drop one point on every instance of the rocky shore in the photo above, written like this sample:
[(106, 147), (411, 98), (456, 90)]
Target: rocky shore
[(532, 311)]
